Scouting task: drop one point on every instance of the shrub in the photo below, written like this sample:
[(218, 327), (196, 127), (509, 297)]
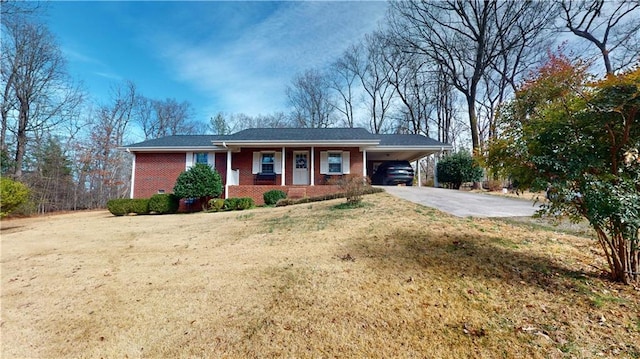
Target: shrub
[(353, 187), (199, 181), (230, 204), (238, 204), (458, 168), (163, 203), (494, 185), (123, 206), (272, 197), (12, 195), (216, 204)]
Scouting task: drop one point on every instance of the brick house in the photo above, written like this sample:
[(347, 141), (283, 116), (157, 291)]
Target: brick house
[(299, 161)]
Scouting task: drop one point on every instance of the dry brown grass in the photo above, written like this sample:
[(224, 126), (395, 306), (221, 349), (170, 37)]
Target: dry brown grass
[(391, 279)]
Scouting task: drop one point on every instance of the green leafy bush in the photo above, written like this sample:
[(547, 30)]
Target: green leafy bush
[(124, 206), (216, 204), (12, 195), (272, 197), (458, 168), (164, 203), (238, 204), (199, 181)]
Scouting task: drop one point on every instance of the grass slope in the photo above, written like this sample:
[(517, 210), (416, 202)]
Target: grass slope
[(390, 279)]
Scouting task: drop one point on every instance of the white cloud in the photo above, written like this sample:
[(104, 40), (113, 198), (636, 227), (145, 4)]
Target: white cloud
[(250, 72)]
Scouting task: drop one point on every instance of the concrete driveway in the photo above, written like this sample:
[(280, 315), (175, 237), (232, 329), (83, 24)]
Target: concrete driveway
[(464, 204)]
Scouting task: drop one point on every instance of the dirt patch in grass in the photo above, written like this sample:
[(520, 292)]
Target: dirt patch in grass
[(389, 279)]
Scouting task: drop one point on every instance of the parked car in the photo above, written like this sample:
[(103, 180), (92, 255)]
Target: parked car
[(391, 173)]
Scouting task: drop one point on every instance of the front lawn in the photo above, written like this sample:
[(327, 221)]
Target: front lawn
[(388, 279)]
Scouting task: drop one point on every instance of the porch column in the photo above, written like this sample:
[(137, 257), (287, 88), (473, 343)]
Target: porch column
[(364, 163), (313, 166), (133, 174), (229, 174), (435, 170), (284, 157), (419, 177)]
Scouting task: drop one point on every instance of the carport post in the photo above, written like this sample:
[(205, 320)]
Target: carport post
[(364, 163), (418, 168), (435, 171)]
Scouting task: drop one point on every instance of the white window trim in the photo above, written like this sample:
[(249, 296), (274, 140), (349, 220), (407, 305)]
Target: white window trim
[(324, 162), (191, 159), (257, 162)]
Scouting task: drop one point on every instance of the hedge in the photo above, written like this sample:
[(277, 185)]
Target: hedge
[(123, 206)]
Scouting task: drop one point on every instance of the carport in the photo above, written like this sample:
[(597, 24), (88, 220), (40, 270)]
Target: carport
[(410, 148)]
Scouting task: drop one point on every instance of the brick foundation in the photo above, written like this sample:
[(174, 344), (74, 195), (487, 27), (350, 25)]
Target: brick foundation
[(257, 192)]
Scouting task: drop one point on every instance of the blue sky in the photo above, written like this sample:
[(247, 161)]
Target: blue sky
[(220, 56)]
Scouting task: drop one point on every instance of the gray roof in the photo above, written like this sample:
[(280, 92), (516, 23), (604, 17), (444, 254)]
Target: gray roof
[(178, 141), (302, 134), (290, 135)]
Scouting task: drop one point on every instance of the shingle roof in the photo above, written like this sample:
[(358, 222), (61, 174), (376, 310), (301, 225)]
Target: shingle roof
[(290, 135), (179, 141), (302, 134)]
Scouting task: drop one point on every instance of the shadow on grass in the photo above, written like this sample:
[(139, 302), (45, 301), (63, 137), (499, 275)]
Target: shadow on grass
[(460, 255)]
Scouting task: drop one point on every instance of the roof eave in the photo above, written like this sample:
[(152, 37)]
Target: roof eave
[(171, 149), (409, 148), (327, 143)]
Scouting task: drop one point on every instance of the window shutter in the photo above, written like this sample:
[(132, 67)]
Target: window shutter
[(211, 159), (257, 157), (189, 160), (346, 162), (324, 162), (277, 163)]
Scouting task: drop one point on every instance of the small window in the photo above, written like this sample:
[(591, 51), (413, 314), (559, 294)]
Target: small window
[(335, 162), (268, 161), (202, 157), (160, 191)]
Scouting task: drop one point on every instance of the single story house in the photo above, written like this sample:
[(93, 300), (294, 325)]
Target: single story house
[(299, 161)]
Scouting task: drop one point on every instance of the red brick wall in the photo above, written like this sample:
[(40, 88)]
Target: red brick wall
[(244, 162), (157, 171)]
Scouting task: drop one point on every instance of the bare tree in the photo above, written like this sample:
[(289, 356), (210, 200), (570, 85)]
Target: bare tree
[(610, 26), (36, 89), (465, 39), (159, 118), (105, 169), (310, 98), (343, 80), (374, 78)]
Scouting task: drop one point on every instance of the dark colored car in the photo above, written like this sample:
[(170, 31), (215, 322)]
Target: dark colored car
[(393, 173)]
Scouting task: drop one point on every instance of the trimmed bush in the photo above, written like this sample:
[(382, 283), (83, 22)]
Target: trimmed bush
[(216, 204), (238, 204), (164, 203), (245, 203), (124, 206), (199, 181), (272, 197)]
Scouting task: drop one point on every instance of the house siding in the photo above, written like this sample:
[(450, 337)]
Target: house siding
[(157, 171)]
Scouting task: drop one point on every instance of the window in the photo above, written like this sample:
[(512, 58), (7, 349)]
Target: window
[(335, 162), (267, 163), (202, 157)]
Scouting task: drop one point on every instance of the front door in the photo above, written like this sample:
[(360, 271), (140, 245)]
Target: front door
[(301, 168)]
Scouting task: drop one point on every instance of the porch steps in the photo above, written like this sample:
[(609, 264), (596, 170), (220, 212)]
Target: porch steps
[(297, 192)]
